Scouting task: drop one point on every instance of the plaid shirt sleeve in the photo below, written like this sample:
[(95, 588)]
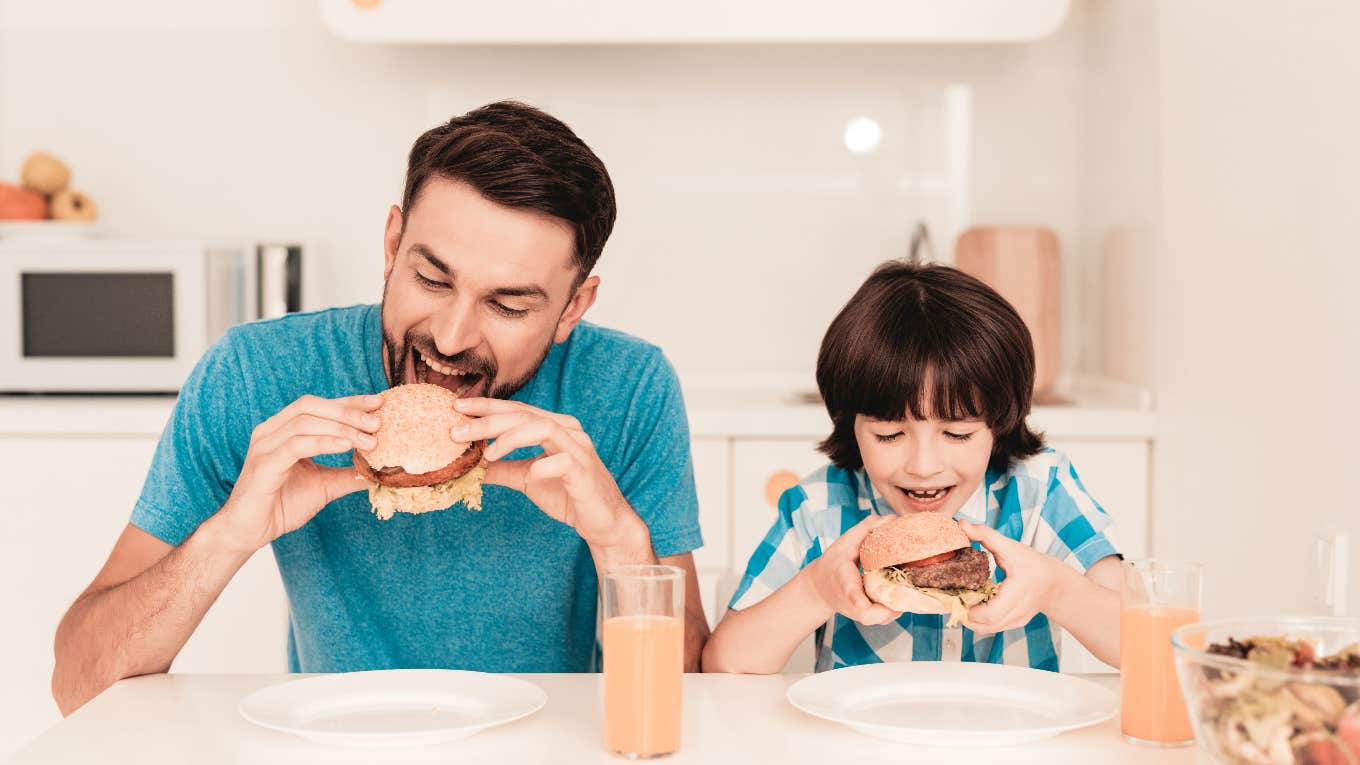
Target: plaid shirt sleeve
[(1072, 524), (785, 550)]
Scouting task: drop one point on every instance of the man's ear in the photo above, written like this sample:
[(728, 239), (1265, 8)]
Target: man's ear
[(392, 240), (582, 299)]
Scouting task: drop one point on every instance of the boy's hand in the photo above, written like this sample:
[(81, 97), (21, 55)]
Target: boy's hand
[(837, 582), (1031, 578)]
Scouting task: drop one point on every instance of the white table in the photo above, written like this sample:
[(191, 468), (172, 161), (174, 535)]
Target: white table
[(736, 719)]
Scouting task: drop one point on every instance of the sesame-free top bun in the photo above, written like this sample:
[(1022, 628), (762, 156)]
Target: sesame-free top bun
[(414, 437), (910, 538)]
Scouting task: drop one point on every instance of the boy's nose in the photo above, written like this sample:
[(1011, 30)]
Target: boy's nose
[(923, 463)]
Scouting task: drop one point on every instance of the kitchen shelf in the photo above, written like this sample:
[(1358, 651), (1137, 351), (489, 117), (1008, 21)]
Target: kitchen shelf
[(693, 21)]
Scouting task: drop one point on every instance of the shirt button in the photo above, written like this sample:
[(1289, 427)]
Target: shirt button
[(950, 644)]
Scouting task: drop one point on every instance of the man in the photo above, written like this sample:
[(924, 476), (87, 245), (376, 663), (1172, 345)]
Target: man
[(487, 275)]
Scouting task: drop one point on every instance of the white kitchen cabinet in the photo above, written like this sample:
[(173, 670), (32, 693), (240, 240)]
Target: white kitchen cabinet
[(76, 466), (713, 482), (695, 21), (761, 468), (68, 498)]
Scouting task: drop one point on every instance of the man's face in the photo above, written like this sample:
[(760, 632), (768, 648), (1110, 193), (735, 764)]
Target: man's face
[(926, 465), (476, 293)]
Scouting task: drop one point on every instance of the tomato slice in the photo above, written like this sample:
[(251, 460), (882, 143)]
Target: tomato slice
[(941, 558)]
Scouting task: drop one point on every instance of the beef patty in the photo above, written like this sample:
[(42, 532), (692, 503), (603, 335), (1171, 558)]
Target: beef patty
[(969, 569)]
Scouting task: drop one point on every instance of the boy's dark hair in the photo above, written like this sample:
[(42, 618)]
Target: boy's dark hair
[(518, 156), (927, 334)]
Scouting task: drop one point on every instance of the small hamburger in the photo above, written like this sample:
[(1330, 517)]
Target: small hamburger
[(417, 466), (929, 553)]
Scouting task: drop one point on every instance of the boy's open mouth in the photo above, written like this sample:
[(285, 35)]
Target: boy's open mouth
[(926, 498), (458, 381)]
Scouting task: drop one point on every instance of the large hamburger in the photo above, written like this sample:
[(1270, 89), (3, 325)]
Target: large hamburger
[(417, 466), (929, 553)]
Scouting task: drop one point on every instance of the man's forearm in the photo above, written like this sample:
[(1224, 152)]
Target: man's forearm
[(137, 627)]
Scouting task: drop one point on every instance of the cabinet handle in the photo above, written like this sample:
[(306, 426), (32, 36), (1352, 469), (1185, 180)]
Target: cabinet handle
[(779, 482)]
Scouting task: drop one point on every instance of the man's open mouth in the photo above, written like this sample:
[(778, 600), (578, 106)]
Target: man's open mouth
[(460, 382)]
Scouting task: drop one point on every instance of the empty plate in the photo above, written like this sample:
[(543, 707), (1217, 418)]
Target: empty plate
[(397, 707), (953, 703)]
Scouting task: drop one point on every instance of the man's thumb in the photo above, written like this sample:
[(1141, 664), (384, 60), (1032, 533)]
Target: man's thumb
[(339, 481)]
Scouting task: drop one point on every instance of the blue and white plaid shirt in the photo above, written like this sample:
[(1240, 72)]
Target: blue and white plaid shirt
[(1038, 501)]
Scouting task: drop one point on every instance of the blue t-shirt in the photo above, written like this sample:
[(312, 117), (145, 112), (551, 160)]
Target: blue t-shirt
[(504, 589)]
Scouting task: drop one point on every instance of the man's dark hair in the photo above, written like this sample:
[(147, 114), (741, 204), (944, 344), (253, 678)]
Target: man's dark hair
[(918, 336), (518, 156)]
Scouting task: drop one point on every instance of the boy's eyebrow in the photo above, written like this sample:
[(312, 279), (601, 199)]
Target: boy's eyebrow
[(527, 290)]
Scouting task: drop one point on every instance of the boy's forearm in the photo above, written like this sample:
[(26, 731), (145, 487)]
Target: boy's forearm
[(1090, 612), (760, 639), (138, 627)]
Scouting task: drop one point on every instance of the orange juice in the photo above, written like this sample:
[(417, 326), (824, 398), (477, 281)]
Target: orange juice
[(1152, 706), (643, 666)]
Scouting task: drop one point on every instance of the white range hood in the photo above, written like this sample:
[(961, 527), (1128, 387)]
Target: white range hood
[(692, 21)]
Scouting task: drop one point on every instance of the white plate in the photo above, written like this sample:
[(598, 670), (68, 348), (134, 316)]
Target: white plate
[(935, 703), (396, 707)]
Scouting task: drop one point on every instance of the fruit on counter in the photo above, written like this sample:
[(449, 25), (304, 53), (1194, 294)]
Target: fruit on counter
[(73, 205), (44, 173), (21, 204)]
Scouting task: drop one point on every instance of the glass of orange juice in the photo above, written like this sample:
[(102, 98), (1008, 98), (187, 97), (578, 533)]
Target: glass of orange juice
[(1156, 597), (644, 659)]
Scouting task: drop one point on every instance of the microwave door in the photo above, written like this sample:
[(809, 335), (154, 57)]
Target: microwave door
[(128, 318)]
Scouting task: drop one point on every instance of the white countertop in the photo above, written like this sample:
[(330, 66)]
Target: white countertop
[(736, 719)]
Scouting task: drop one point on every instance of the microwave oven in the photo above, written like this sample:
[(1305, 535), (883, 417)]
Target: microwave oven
[(121, 316)]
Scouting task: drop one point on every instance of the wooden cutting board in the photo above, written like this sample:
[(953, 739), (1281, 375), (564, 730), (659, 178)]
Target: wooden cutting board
[(1021, 263)]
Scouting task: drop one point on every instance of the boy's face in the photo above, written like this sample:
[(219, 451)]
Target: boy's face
[(924, 465), (476, 293)]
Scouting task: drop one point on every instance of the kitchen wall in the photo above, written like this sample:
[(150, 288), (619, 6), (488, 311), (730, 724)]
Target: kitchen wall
[(1197, 161), (1256, 331), (744, 220)]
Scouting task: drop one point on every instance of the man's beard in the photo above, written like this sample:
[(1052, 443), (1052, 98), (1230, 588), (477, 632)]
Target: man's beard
[(468, 361)]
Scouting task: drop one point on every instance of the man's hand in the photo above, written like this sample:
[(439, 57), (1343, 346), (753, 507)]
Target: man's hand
[(837, 581), (280, 488), (568, 481), (1031, 578)]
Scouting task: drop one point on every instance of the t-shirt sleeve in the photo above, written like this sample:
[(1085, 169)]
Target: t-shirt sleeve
[(657, 477), (200, 452), (785, 550), (1076, 523)]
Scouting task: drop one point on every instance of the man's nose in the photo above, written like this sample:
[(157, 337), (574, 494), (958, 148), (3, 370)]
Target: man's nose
[(455, 328)]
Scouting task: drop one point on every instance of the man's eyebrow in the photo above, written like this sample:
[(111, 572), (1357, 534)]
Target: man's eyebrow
[(529, 290), (532, 291), (428, 254)]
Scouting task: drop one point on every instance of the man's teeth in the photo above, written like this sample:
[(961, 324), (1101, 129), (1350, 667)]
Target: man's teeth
[(445, 370)]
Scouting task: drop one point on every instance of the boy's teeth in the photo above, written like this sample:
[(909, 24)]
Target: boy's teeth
[(932, 494)]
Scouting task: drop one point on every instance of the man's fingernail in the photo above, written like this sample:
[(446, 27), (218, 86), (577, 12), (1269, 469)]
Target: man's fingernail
[(460, 430), (372, 422)]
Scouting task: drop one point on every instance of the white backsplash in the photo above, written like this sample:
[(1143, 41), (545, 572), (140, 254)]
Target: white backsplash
[(744, 221)]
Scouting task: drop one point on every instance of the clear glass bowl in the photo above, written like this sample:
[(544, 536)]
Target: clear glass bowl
[(1255, 713)]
